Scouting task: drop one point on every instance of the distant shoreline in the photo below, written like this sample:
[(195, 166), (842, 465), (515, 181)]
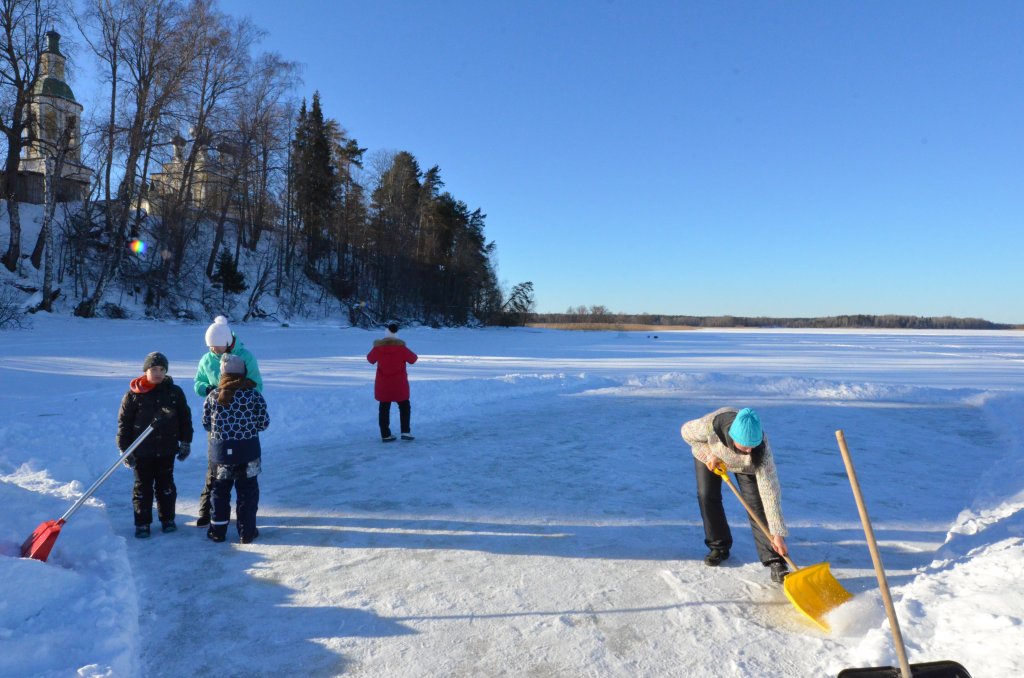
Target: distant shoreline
[(653, 323), (620, 327)]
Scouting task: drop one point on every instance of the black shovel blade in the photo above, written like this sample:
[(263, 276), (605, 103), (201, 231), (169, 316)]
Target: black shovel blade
[(945, 669)]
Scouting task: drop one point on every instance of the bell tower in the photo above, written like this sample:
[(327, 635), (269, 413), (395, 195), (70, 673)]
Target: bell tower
[(55, 119)]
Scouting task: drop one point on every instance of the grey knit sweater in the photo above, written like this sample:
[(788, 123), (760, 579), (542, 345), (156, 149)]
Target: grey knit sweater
[(704, 442)]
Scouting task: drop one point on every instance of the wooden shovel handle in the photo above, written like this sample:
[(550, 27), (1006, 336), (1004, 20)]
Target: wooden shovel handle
[(869, 533), (724, 475)]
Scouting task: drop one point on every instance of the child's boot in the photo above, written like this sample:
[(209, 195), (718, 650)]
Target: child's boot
[(217, 533)]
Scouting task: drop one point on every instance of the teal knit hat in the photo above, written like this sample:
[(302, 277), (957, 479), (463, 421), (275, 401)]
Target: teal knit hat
[(746, 428)]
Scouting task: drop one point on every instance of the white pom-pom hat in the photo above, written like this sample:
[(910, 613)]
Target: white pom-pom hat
[(219, 333)]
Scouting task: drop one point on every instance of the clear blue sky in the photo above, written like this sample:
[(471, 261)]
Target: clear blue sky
[(707, 158)]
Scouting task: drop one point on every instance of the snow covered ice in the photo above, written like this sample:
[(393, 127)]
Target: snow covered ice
[(543, 523)]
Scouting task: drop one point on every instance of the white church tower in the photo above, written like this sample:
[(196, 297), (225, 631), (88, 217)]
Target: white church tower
[(53, 113)]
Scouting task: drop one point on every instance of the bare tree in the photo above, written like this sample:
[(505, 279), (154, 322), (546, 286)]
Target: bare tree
[(103, 24), (155, 52), (23, 25), (220, 71), (44, 243), (259, 288), (259, 142), (11, 313), (54, 167)]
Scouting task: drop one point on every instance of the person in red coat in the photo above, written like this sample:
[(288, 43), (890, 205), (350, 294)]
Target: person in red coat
[(390, 355)]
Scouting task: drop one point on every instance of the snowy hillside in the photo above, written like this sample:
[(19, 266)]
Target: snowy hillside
[(126, 297), (544, 521)]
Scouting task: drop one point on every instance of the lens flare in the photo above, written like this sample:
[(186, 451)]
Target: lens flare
[(137, 246)]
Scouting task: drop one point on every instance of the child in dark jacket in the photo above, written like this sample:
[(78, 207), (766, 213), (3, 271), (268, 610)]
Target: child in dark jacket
[(154, 399), (234, 413)]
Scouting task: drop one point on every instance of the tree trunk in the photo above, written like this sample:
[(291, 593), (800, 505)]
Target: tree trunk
[(13, 254), (10, 259), (218, 236), (22, 34), (50, 178), (126, 196)]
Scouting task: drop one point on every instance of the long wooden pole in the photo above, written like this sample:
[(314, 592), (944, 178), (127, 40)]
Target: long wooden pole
[(883, 583)]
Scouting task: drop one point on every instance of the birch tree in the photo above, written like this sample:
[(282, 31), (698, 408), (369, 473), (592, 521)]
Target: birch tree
[(23, 26), (155, 53)]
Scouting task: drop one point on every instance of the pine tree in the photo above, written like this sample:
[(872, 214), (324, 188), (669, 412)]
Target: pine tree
[(520, 304), (315, 180), (227, 277), (392, 235)]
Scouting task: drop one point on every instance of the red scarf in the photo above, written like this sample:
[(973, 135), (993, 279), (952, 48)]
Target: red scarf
[(141, 385)]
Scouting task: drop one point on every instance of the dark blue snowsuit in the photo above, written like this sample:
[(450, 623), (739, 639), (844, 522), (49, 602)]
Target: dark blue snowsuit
[(234, 413)]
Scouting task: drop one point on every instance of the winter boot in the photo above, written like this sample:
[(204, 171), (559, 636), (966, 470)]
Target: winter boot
[(142, 531), (779, 571), (715, 557), (215, 536), (408, 436), (168, 526), (251, 538), (390, 438), (202, 521)]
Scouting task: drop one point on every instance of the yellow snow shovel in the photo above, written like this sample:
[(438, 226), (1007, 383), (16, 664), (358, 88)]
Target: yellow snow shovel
[(812, 590)]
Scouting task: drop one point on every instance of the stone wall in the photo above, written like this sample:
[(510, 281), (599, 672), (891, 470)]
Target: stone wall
[(29, 188)]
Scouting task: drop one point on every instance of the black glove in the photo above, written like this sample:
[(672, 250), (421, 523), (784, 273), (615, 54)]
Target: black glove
[(129, 461), (183, 451), (208, 389)]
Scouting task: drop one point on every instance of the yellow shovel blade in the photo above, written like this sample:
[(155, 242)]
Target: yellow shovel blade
[(815, 592)]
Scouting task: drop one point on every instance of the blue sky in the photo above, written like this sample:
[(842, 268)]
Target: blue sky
[(707, 158)]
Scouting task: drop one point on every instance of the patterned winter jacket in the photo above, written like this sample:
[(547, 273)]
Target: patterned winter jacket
[(208, 373), (162, 405), (235, 429), (706, 439)]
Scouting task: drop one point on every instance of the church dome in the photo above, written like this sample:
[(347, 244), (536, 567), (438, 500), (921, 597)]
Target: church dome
[(53, 87)]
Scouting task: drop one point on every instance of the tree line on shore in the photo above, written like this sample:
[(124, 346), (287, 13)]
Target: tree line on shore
[(600, 315)]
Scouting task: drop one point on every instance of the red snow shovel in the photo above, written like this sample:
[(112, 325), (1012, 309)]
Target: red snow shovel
[(942, 669), (39, 544)]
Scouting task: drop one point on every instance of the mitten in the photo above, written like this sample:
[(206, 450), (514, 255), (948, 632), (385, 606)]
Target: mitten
[(129, 461), (183, 451)]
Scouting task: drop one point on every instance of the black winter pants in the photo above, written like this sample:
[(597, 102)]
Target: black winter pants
[(205, 505), (154, 473), (717, 534), (384, 417), (247, 491)]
